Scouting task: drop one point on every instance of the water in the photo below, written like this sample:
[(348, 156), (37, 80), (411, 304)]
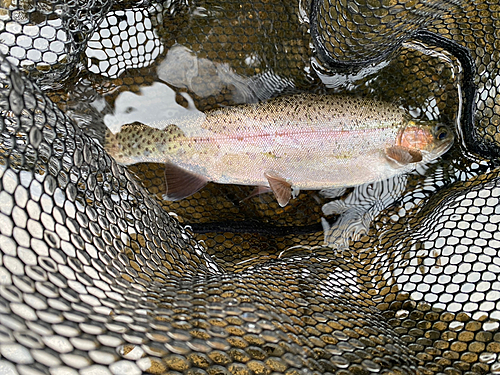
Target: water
[(193, 69)]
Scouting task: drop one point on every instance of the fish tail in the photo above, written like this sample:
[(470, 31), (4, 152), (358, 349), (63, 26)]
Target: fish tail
[(136, 143), (113, 146)]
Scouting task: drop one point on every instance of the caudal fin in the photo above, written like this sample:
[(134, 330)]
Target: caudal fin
[(138, 143)]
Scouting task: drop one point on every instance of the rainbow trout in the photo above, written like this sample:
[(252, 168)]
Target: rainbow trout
[(301, 141)]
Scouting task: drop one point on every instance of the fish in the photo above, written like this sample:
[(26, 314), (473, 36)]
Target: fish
[(284, 145)]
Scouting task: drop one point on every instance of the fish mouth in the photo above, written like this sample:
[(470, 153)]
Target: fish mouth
[(440, 148), (443, 139)]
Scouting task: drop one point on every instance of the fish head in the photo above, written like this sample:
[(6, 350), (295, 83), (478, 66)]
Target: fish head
[(432, 138)]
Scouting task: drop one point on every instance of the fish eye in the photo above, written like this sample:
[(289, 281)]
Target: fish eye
[(442, 133)]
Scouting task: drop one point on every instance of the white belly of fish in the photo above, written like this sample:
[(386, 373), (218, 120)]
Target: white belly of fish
[(310, 160)]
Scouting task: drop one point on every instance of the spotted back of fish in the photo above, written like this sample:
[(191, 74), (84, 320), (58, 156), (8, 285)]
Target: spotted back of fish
[(333, 112)]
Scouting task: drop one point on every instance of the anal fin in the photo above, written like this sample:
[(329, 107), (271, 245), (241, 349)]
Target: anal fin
[(181, 183), (281, 188)]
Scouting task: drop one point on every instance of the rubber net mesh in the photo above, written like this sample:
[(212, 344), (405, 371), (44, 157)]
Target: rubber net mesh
[(100, 275)]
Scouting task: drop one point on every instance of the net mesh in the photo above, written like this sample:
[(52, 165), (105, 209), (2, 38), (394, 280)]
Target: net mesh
[(100, 275)]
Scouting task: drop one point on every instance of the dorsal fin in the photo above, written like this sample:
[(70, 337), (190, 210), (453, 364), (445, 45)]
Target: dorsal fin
[(281, 188), (403, 155), (181, 183)]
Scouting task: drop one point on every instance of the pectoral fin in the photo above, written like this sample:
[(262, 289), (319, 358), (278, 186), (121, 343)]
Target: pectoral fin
[(281, 188), (181, 183), (403, 155)]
